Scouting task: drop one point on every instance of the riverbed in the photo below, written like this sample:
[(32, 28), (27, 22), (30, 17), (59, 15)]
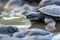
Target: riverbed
[(41, 25)]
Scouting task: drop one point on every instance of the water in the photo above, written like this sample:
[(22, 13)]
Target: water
[(42, 26)]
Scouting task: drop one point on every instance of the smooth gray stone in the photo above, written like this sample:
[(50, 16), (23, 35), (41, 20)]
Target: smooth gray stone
[(6, 37), (41, 32), (19, 35), (17, 2), (37, 34), (49, 2), (11, 38), (56, 37)]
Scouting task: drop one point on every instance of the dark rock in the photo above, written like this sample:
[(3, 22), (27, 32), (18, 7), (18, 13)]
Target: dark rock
[(8, 30)]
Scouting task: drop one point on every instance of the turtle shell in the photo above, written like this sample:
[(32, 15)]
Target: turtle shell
[(52, 10)]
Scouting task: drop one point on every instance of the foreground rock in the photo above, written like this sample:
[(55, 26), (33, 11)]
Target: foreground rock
[(36, 34)]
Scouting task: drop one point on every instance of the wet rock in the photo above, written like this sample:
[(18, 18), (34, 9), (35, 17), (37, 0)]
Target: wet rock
[(19, 35), (5, 37), (41, 34), (2, 35), (35, 33), (39, 31), (49, 2), (56, 37), (29, 8), (21, 10), (26, 7), (13, 3), (12, 29), (8, 30)]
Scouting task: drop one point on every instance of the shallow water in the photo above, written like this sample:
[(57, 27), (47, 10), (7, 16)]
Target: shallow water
[(42, 26)]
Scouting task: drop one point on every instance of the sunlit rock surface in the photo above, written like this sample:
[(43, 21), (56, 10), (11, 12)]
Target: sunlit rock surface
[(16, 21), (5, 37), (8, 30), (56, 37), (37, 34), (49, 2)]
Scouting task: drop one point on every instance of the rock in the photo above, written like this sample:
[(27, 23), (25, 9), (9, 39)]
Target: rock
[(12, 29), (13, 3), (56, 37), (37, 31), (5, 37), (41, 34), (26, 7), (35, 34), (19, 35), (49, 2), (8, 30)]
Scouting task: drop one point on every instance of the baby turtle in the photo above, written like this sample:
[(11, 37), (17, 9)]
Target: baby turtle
[(52, 14), (34, 16), (49, 14)]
